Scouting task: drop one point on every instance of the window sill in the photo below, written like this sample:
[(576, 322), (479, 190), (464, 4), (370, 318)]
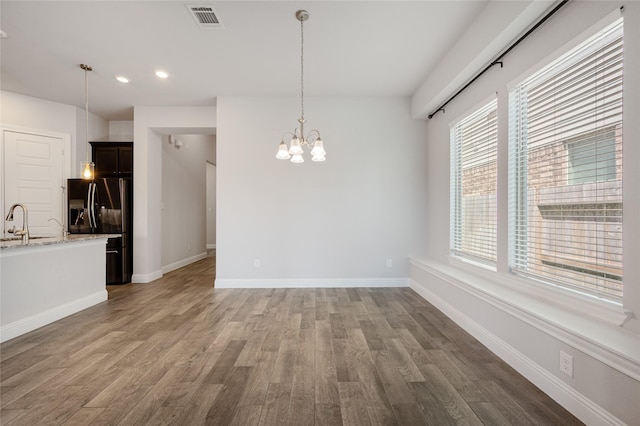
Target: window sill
[(593, 326), (525, 290)]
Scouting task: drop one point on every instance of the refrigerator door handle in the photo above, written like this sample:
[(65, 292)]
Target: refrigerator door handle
[(95, 220), (92, 211), (89, 205), (123, 205)]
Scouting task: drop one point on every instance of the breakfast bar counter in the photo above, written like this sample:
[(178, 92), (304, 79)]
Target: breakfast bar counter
[(17, 243), (48, 279)]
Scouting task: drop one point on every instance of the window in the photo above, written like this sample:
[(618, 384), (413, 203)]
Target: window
[(592, 158), (473, 185), (566, 169)]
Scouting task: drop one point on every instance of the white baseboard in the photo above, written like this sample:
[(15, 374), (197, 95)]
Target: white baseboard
[(151, 276), (146, 278), (184, 262), (575, 402), (311, 282), (211, 246), (25, 325)]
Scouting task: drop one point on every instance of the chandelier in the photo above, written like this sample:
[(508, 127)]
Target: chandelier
[(297, 137)]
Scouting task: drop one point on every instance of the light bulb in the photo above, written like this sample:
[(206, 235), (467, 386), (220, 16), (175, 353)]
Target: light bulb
[(295, 148), (318, 149), (283, 152), (88, 169), (297, 158)]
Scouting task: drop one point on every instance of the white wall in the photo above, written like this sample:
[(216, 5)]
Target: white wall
[(27, 111), (184, 196), (150, 124), (526, 331), (38, 114), (121, 131), (211, 205), (331, 223)]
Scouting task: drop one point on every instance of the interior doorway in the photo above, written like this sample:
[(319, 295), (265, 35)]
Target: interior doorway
[(186, 212)]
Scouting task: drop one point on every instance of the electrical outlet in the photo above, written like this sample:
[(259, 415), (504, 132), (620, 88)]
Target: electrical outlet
[(566, 364), (188, 247), (389, 263), (256, 263)]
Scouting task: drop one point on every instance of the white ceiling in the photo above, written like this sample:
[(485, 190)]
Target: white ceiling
[(352, 48)]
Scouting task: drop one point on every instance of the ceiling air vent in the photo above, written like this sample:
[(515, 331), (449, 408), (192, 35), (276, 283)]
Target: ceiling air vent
[(205, 16)]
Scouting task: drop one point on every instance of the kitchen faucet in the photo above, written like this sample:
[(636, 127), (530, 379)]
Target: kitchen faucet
[(24, 232)]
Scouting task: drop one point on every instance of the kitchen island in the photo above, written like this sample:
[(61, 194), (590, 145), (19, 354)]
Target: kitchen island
[(48, 279)]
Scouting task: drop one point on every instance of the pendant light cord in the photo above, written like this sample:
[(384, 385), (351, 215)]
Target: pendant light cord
[(86, 106)]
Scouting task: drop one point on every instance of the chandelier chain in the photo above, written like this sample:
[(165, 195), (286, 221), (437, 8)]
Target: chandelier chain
[(302, 67)]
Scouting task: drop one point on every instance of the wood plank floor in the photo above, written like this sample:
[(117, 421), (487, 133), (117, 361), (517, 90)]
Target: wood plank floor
[(177, 351)]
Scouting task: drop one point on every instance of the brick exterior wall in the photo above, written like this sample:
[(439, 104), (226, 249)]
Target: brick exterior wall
[(582, 222), (585, 224)]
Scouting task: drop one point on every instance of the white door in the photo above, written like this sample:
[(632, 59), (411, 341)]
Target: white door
[(33, 176)]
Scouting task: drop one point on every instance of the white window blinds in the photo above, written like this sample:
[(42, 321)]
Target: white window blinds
[(566, 169), (473, 185)]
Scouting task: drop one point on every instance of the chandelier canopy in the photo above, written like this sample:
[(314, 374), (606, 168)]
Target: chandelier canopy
[(298, 139)]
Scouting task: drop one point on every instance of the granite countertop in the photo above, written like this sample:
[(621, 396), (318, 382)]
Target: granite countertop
[(36, 241)]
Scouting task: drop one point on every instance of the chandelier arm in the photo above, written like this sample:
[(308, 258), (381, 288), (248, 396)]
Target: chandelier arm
[(312, 132), (292, 134)]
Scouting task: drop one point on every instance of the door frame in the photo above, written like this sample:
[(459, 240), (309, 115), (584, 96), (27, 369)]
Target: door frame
[(67, 158)]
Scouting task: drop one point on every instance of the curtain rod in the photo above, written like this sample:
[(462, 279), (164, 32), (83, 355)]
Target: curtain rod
[(498, 60)]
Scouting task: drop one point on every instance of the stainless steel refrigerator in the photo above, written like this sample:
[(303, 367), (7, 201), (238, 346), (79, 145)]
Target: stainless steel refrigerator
[(105, 206)]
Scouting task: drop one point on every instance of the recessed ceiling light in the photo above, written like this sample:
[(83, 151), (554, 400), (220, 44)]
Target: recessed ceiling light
[(162, 74), (3, 34), (122, 79)]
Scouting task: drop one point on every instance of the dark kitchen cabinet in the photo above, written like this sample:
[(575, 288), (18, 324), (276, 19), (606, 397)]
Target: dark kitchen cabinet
[(113, 159)]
